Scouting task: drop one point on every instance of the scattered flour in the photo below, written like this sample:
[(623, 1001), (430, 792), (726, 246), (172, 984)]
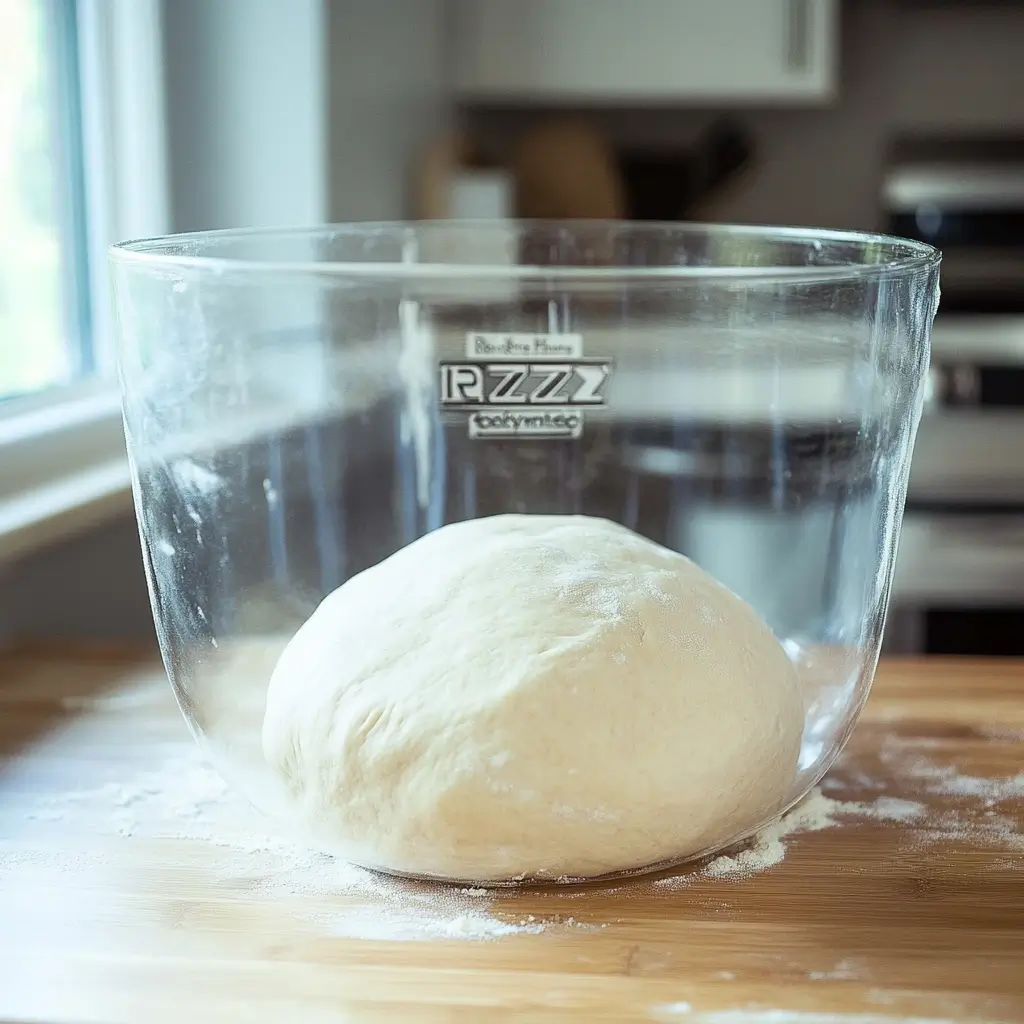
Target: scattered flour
[(970, 804), (675, 1008), (889, 808), (190, 476), (944, 780), (974, 821), (185, 799), (674, 1011), (270, 493), (846, 970), (119, 700), (1002, 734), (815, 812), (171, 802)]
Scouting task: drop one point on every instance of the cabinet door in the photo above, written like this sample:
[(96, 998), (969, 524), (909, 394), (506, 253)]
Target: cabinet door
[(632, 50)]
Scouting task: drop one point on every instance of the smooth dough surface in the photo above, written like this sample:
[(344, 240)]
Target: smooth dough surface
[(529, 695)]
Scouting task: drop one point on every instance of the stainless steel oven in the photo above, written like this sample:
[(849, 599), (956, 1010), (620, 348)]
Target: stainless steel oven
[(960, 577)]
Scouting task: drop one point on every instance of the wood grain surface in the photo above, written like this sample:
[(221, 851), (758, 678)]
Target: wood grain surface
[(105, 917)]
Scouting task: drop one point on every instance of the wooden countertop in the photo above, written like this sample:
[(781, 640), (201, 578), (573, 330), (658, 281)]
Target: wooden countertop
[(904, 911)]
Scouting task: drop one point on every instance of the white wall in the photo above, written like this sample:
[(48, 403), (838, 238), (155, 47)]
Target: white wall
[(300, 111), (388, 98), (247, 112)]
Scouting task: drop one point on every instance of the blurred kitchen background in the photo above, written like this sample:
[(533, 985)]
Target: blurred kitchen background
[(123, 118)]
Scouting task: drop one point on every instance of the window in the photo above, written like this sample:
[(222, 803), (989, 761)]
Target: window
[(45, 321), (83, 162)]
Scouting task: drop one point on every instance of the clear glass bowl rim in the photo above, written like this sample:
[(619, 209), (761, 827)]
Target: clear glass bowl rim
[(167, 253)]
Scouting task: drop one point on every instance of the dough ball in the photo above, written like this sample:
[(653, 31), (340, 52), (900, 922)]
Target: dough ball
[(538, 696)]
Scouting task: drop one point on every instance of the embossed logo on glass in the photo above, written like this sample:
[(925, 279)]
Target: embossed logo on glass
[(524, 385)]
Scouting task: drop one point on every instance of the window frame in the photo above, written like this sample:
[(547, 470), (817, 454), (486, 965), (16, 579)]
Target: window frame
[(63, 466)]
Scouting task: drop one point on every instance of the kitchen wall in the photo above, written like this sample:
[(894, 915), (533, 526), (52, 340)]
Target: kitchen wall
[(246, 112), (388, 98), (905, 65), (302, 112)]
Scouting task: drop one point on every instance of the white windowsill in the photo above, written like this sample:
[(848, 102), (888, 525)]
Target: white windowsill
[(63, 467)]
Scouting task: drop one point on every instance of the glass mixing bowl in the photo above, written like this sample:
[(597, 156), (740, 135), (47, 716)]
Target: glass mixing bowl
[(300, 404)]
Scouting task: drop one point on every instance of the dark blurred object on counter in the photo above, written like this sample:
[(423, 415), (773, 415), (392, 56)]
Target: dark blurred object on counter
[(686, 184)]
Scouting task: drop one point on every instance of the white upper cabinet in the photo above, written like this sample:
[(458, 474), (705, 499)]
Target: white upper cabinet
[(619, 51)]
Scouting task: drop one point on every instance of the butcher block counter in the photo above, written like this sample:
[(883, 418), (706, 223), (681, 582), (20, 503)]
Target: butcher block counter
[(135, 887)]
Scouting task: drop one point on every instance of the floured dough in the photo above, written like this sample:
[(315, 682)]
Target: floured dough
[(536, 696)]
